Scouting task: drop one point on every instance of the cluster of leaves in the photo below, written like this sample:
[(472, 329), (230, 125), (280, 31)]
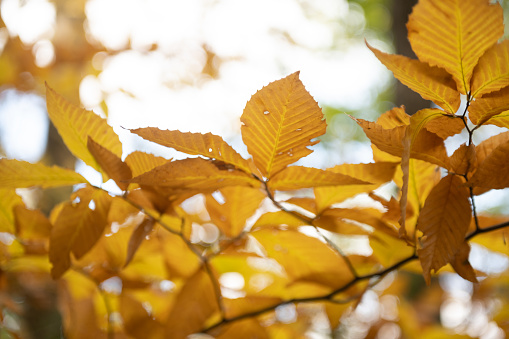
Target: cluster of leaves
[(209, 243)]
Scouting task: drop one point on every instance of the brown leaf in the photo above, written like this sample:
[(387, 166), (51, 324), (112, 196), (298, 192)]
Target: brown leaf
[(444, 221), (463, 160), (493, 171), (139, 234), (461, 264), (111, 164)]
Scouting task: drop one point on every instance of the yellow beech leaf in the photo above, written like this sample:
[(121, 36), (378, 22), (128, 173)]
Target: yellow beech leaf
[(112, 165), (444, 221), (76, 124), (432, 83), (207, 145), (492, 72), (305, 259), (296, 177), (376, 173), (239, 203), (279, 218), (181, 261), (194, 173), (8, 199), (493, 171), (453, 34), (461, 264), (78, 227), (20, 174), (194, 305), (141, 162), (279, 123), (488, 106)]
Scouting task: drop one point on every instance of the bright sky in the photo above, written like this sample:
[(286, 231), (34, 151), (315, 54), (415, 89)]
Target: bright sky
[(261, 40)]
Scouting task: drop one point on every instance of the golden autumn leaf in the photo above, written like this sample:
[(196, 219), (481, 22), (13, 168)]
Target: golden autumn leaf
[(141, 162), (18, 174), (76, 124), (279, 123), (305, 259), (493, 171), (111, 164), (432, 83), (33, 230), (489, 106), (279, 218), (194, 173), (78, 227), (246, 328), (239, 204), (194, 305), (207, 145), (454, 34), (492, 72), (444, 221), (376, 173), (8, 200), (296, 177)]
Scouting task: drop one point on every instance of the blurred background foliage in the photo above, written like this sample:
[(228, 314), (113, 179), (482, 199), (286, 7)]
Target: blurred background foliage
[(156, 63)]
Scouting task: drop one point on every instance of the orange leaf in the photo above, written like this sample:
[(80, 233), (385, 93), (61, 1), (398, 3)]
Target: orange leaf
[(492, 72), (194, 305), (20, 174), (296, 177), (453, 34), (78, 227), (432, 83), (463, 159), (76, 124), (194, 173), (500, 120), (445, 126), (207, 145), (487, 146), (141, 162), (112, 165), (239, 204), (393, 118), (31, 224), (493, 171), (279, 122), (488, 106), (461, 264), (444, 221)]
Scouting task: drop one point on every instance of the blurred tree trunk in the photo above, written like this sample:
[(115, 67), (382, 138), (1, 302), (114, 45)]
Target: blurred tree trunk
[(401, 9)]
